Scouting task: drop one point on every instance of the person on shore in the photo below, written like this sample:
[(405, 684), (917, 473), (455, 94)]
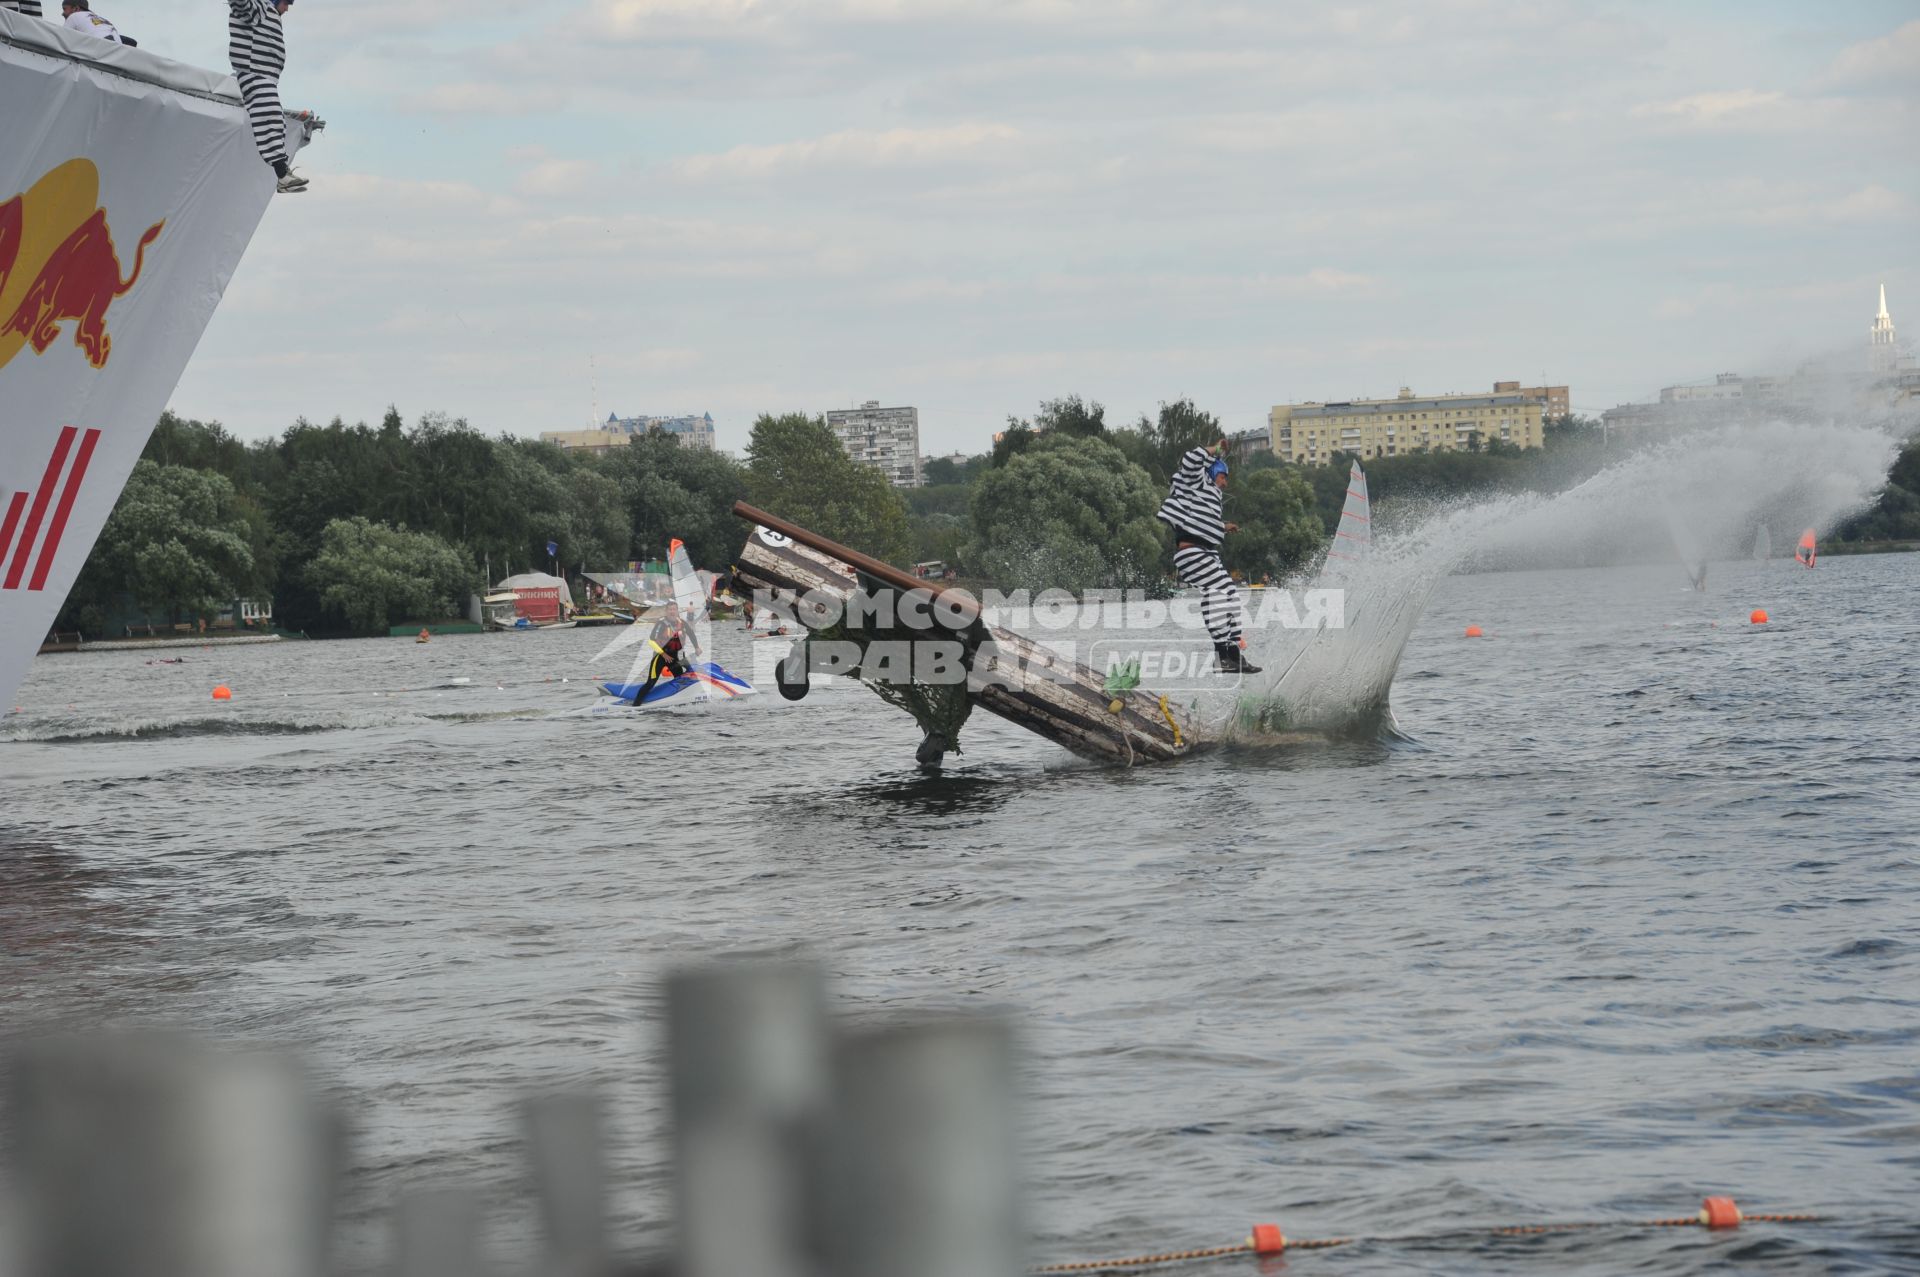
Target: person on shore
[(258, 49), (76, 16), (1194, 508), (670, 641)]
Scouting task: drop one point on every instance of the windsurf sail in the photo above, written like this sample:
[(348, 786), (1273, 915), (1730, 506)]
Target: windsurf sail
[(1354, 537), (1762, 545), (693, 614), (1805, 551)]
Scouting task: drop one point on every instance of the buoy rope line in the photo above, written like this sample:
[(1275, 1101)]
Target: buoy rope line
[(1267, 1239)]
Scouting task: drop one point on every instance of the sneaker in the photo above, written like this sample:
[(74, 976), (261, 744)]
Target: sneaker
[(290, 183), (1234, 661)]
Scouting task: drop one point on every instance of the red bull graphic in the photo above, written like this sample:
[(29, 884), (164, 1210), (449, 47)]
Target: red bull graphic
[(58, 264), (24, 518)]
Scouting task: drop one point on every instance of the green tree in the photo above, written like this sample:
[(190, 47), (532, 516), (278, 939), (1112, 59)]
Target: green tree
[(179, 541), (1280, 527), (944, 471), (939, 536), (1069, 415), (674, 491), (371, 575), (1014, 440), (1069, 512), (1178, 427), (796, 469)]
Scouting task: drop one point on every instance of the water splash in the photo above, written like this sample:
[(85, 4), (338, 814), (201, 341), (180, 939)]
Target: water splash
[(1723, 487)]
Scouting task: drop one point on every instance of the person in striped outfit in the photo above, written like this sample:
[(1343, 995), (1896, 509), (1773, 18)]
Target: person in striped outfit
[(1195, 508), (258, 50)]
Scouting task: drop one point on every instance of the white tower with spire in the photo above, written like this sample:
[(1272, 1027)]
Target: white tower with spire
[(1882, 354)]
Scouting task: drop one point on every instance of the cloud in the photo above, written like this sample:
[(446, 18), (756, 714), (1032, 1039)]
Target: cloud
[(1872, 203), (1893, 58), (548, 177), (474, 98), (1733, 108), (854, 149)]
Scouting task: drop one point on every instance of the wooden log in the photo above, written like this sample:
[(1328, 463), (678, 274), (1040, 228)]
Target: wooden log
[(811, 579)]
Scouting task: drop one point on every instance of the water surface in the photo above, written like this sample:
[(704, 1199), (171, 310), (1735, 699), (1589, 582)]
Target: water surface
[(1630, 918)]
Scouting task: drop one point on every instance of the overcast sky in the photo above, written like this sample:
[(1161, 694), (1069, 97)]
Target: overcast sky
[(524, 208)]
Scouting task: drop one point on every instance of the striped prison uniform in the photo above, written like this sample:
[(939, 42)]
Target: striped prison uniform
[(1194, 508), (258, 49), (29, 7)]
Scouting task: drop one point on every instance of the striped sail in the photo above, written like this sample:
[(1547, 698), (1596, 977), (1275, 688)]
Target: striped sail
[(1354, 537)]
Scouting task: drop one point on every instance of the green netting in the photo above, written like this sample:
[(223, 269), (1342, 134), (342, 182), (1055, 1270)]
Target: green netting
[(940, 709), (1262, 714)]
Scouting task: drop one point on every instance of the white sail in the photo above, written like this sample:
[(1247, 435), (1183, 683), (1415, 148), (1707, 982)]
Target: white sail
[(1763, 544), (693, 614), (1354, 537)]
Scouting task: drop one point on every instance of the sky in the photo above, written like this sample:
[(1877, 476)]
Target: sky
[(528, 213)]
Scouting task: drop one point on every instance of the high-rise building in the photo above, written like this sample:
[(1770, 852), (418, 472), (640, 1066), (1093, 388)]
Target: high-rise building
[(887, 439), (1882, 354), (1310, 433)]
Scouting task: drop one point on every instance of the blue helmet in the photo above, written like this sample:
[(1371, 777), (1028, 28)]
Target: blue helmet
[(1218, 468)]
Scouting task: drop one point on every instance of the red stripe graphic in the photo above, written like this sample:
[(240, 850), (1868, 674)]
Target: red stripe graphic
[(13, 517), (61, 511), (41, 495)]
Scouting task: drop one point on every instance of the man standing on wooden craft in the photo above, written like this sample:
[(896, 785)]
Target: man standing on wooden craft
[(1194, 508)]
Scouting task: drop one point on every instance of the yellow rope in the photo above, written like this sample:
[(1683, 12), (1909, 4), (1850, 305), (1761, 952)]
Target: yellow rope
[(1168, 715)]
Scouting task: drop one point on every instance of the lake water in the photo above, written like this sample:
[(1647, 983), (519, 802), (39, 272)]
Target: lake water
[(1632, 916)]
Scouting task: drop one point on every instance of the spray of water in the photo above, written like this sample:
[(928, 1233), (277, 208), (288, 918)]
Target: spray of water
[(1699, 496)]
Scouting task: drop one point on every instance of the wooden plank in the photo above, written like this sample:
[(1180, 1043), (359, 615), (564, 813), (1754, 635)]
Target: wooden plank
[(1009, 674)]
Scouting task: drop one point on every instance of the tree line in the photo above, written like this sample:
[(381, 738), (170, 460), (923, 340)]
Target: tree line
[(353, 528)]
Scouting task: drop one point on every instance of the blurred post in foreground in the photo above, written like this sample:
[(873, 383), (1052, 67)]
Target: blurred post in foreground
[(565, 1140), (748, 1049), (925, 1152), (154, 1157)]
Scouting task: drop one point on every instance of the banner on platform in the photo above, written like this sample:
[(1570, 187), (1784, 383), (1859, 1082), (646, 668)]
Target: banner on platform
[(129, 187)]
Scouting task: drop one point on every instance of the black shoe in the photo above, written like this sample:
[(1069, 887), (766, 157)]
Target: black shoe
[(1234, 661)]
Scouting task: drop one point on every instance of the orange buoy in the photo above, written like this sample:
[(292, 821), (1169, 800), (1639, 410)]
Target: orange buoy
[(1719, 1212), (1759, 616), (1473, 631), (223, 693), (1267, 1239)]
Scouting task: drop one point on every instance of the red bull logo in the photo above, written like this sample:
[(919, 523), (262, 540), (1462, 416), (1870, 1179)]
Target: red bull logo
[(58, 265), (39, 518)]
